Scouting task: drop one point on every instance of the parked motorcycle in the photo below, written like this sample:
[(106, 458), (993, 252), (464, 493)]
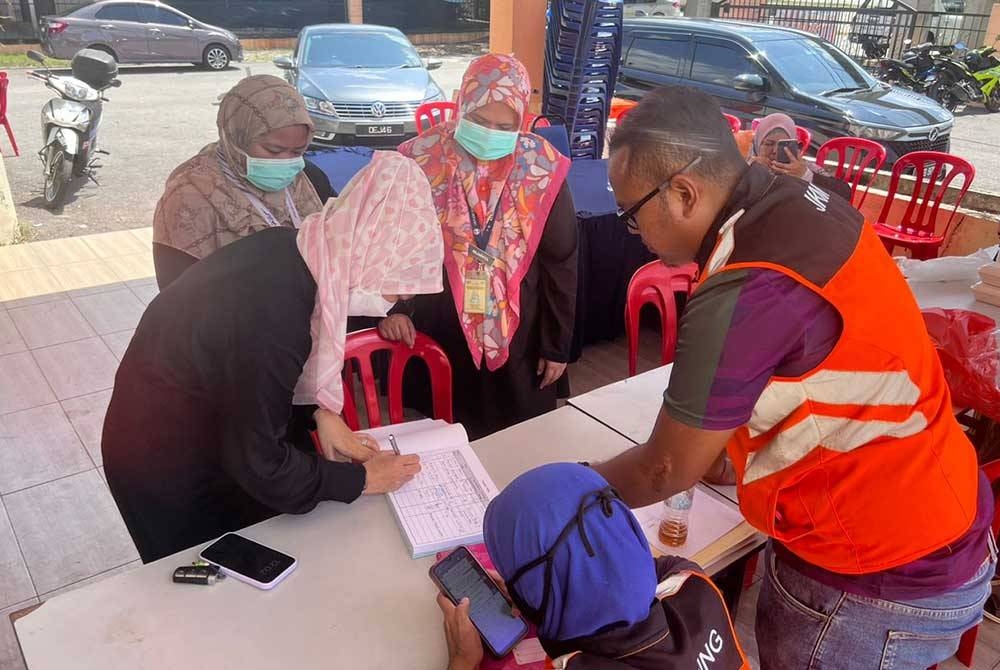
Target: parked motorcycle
[(916, 69), (70, 122), (958, 84)]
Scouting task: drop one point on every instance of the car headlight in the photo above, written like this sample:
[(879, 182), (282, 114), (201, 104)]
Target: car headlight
[(320, 106), (434, 94), (875, 132)]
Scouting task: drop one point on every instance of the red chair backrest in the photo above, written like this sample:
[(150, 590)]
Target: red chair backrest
[(854, 156), (734, 123), (431, 114), (992, 471), (933, 174), (801, 134), (656, 284), (358, 352)]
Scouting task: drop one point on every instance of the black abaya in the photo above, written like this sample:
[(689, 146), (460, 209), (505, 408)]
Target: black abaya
[(201, 436)]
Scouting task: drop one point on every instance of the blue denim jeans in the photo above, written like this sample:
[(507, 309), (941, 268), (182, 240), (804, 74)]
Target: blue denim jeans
[(802, 624)]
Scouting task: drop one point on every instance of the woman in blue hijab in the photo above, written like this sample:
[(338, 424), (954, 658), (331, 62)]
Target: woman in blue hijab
[(562, 526), (576, 563)]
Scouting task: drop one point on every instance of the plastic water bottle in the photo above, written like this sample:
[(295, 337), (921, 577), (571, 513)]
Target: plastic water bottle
[(676, 512)]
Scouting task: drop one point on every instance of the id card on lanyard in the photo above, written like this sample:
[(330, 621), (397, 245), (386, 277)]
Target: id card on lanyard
[(477, 284)]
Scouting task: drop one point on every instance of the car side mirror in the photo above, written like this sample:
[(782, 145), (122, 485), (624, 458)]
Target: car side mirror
[(191, 24), (433, 64), (750, 83), (284, 63)]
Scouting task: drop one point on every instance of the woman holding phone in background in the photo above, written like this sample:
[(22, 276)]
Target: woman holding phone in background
[(775, 147)]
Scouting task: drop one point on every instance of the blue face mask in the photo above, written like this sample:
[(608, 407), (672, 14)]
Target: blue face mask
[(274, 174), (485, 144)]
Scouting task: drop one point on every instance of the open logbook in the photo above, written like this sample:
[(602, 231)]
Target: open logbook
[(443, 506)]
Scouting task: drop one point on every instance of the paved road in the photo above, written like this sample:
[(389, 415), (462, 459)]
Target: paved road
[(160, 117)]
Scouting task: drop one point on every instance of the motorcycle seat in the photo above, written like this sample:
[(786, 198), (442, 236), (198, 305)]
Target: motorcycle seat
[(901, 64)]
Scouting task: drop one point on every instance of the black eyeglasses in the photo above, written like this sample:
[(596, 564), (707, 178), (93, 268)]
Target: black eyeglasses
[(627, 216)]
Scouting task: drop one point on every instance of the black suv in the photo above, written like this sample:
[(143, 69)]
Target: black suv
[(755, 70)]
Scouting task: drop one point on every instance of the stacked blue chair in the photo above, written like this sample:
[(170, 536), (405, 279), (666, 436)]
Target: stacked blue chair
[(582, 55)]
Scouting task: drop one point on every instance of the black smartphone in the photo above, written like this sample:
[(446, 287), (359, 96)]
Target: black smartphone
[(249, 561), (786, 148), (459, 575)]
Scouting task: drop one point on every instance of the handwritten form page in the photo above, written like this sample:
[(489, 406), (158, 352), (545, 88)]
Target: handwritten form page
[(444, 505)]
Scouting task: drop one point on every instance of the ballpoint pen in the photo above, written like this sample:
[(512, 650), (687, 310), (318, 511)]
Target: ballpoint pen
[(392, 443)]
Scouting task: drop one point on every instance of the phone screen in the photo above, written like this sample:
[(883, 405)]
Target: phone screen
[(786, 147), (461, 576), (248, 558)]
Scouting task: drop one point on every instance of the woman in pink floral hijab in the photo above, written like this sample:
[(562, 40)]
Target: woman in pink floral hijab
[(207, 429), (506, 316)]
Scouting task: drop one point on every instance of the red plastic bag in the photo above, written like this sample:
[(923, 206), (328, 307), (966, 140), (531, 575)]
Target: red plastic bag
[(967, 345)]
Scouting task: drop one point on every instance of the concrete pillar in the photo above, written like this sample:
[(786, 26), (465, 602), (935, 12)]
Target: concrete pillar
[(527, 42), (993, 29), (355, 11)]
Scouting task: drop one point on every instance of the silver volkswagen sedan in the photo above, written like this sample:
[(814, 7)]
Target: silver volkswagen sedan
[(362, 84)]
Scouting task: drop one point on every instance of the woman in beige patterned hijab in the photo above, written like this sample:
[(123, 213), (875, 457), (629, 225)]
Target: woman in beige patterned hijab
[(240, 184)]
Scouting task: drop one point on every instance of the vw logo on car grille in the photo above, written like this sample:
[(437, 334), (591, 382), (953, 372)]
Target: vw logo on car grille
[(934, 134), (378, 110)]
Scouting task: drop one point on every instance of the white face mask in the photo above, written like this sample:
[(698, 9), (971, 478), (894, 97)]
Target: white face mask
[(364, 303)]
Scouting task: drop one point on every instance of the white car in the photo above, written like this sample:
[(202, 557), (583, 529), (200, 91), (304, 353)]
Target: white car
[(635, 8)]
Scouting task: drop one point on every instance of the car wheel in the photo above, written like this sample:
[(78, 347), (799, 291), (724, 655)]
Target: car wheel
[(216, 57)]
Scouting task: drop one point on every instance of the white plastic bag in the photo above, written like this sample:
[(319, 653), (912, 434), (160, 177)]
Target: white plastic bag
[(947, 268)]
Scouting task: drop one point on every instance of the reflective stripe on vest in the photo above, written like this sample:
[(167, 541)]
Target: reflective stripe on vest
[(846, 390)]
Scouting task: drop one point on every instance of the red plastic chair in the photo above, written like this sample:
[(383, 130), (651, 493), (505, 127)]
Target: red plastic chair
[(854, 156), (734, 123), (620, 107), (4, 121), (934, 173), (655, 283), (967, 645), (803, 135), (358, 351), (434, 113)]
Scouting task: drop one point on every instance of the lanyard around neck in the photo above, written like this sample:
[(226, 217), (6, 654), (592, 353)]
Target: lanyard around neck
[(483, 233)]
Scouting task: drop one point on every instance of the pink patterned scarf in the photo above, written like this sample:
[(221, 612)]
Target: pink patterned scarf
[(380, 236), (523, 188)]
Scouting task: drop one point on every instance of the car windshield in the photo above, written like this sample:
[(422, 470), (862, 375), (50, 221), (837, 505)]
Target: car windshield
[(813, 66), (359, 50)]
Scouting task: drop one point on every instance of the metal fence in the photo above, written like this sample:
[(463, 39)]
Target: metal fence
[(18, 21), (264, 18), (274, 18), (854, 25), (429, 16)]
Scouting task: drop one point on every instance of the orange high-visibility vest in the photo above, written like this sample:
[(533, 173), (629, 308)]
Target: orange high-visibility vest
[(859, 465)]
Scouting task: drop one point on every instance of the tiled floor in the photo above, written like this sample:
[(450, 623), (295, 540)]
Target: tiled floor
[(67, 311)]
